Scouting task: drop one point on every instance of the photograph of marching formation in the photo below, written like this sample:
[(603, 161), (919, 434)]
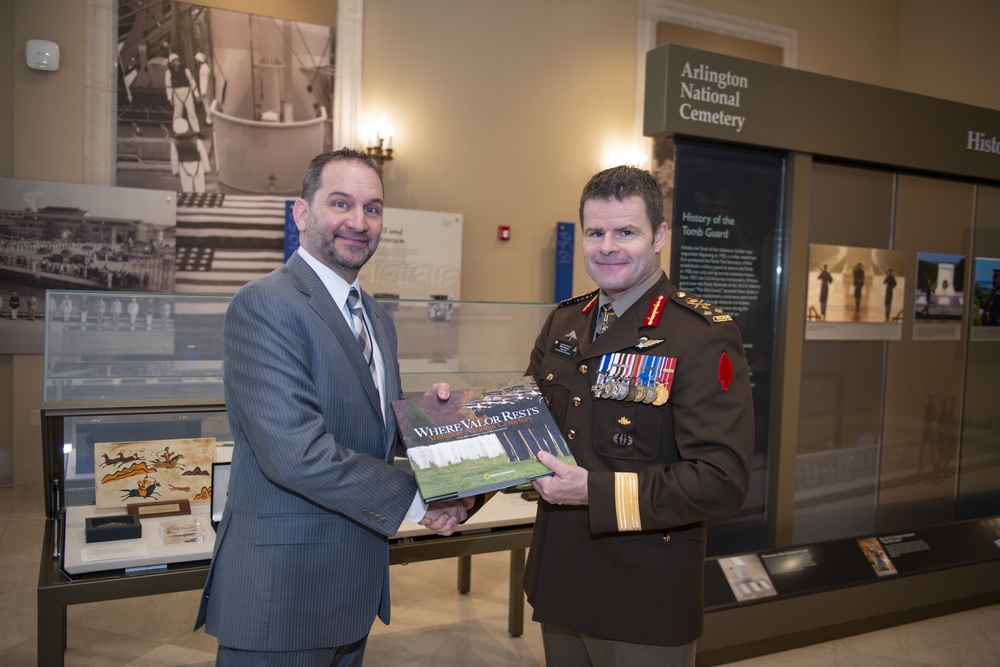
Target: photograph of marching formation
[(62, 236), (481, 439)]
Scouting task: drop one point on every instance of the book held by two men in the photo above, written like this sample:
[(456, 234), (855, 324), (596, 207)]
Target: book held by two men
[(481, 439)]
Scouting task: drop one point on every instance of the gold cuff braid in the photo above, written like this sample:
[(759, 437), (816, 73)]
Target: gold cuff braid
[(627, 501)]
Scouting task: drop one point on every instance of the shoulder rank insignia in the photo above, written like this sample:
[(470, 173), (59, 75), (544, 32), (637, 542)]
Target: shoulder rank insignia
[(713, 314), (578, 299), (647, 342), (655, 311)]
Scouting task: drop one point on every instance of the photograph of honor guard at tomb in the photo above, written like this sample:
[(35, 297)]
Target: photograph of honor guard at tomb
[(986, 291), (62, 236), (855, 285), (216, 101), (939, 287)]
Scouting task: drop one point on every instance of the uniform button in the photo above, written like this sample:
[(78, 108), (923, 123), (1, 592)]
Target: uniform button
[(549, 377), (577, 401), (583, 368), (571, 434), (666, 537)]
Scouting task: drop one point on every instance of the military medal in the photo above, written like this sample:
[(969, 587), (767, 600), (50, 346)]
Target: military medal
[(649, 385), (601, 380), (610, 387), (621, 388), (665, 380), (631, 376)]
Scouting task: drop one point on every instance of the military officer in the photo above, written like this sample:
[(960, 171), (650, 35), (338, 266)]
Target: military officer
[(650, 387)]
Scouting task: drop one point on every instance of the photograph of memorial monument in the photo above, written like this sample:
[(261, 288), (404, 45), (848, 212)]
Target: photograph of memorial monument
[(939, 287)]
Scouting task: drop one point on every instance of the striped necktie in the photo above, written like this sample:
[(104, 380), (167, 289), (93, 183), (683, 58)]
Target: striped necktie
[(361, 330)]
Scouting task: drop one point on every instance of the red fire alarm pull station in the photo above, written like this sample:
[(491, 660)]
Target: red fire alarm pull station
[(503, 233)]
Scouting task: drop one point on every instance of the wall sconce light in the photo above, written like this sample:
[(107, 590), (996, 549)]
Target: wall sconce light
[(379, 142)]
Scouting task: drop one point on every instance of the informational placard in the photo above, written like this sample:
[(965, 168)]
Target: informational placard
[(726, 213), (713, 96), (814, 568), (419, 257)]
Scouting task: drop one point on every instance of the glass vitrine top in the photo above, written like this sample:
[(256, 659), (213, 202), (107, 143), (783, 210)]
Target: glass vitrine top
[(112, 346)]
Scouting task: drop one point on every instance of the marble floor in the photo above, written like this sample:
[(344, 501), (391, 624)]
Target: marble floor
[(432, 624)]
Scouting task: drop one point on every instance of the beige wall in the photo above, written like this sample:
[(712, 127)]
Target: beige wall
[(502, 109)]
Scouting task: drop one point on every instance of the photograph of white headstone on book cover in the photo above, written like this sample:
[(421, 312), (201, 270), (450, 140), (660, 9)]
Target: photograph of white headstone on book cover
[(481, 439)]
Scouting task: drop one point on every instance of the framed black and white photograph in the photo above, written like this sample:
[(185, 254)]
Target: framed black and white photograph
[(217, 101), (63, 236)]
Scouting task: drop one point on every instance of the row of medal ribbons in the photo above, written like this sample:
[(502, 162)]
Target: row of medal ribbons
[(639, 378)]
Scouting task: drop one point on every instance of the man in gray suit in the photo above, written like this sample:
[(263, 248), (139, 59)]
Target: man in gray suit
[(301, 563)]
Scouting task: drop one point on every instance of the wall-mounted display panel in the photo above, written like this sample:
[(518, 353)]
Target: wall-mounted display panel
[(938, 296), (855, 293), (67, 236), (212, 100)]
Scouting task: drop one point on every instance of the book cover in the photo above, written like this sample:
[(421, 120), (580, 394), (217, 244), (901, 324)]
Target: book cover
[(481, 439)]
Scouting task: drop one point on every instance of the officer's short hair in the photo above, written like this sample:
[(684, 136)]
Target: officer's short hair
[(625, 181)]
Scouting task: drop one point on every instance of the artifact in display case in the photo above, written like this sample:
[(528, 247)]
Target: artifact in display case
[(147, 470), (182, 531), (117, 527), (87, 444)]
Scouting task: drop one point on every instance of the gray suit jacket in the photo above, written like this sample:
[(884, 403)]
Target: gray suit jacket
[(301, 558)]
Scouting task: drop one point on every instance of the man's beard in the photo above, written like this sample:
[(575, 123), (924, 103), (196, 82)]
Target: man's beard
[(327, 252)]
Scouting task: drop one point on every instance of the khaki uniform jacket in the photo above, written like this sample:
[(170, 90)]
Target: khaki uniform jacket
[(690, 457)]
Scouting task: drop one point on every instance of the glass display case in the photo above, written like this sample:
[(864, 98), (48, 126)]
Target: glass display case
[(128, 376), (140, 375), (114, 346)]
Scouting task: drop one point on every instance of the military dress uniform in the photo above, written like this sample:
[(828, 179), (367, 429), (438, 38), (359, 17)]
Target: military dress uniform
[(661, 460)]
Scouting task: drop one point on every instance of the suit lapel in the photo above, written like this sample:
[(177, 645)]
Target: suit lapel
[(326, 308)]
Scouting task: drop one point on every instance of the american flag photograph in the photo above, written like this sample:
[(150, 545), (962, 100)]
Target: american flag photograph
[(225, 241)]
